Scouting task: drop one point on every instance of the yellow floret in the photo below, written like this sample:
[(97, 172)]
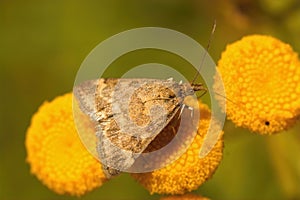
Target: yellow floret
[(261, 76), (55, 153), (189, 171)]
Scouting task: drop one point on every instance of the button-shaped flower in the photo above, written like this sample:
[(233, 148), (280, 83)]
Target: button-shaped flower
[(189, 171), (261, 76), (55, 153)]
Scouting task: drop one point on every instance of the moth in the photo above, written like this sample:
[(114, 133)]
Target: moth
[(129, 114)]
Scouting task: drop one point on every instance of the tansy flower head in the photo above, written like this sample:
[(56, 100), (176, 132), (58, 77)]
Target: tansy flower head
[(55, 153), (261, 76), (189, 171), (185, 197)]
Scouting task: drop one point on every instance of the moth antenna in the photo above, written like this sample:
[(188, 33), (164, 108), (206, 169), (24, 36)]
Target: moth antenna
[(241, 105), (206, 52), (221, 95)]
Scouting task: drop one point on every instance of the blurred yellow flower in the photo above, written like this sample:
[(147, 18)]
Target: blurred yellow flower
[(261, 76), (55, 153), (184, 197), (189, 171)]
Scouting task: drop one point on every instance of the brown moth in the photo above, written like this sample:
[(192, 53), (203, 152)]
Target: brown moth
[(129, 114)]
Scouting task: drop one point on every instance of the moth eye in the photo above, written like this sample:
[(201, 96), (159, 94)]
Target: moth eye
[(267, 123)]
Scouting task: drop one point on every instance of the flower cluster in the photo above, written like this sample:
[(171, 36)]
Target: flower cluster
[(261, 77), (59, 159)]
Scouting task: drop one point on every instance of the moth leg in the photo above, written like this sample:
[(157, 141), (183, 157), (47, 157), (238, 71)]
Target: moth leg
[(192, 110), (188, 107), (181, 110)]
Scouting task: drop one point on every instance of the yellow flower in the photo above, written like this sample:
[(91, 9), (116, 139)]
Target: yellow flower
[(55, 153), (184, 197), (261, 76), (189, 171)]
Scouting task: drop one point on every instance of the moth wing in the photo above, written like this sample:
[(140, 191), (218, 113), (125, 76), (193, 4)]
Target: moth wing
[(116, 149), (85, 95), (121, 143), (113, 158)]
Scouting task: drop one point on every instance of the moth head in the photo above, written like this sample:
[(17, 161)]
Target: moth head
[(197, 87), (194, 87)]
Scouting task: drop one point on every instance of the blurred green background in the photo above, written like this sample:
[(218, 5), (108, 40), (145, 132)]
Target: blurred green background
[(44, 42)]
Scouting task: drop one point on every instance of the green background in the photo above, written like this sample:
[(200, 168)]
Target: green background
[(42, 44)]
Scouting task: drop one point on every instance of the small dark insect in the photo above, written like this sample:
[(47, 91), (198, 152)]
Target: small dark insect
[(267, 123)]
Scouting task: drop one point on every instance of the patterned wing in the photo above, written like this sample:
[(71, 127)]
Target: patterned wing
[(130, 113)]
